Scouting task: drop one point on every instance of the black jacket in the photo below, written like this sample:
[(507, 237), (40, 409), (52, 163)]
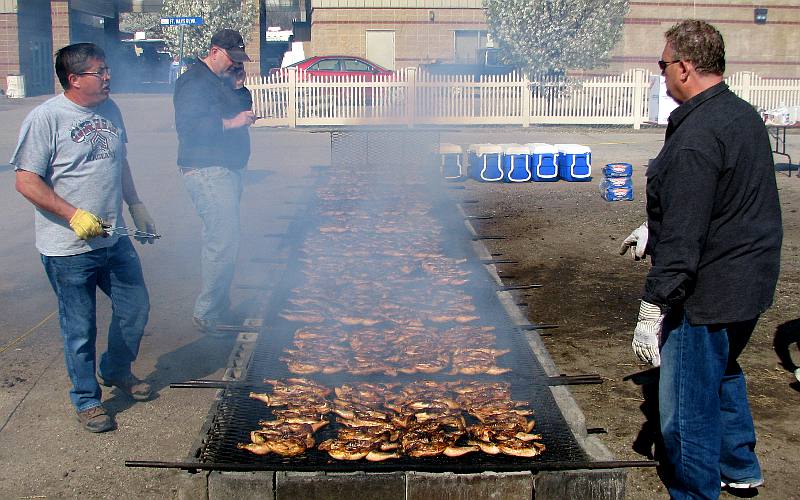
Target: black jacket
[(713, 212), (199, 101), (237, 140)]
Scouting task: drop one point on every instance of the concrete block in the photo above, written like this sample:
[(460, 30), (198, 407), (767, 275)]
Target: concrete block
[(580, 485), (343, 486), (487, 485), (192, 486), (241, 485)]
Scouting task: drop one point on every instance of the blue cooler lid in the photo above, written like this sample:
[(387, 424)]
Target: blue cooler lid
[(540, 148), (573, 149), (516, 149)]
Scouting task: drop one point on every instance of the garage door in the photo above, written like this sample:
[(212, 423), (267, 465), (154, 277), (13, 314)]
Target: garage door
[(380, 47)]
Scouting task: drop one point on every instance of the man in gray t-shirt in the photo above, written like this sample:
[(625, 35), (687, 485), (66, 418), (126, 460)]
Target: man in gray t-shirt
[(71, 163)]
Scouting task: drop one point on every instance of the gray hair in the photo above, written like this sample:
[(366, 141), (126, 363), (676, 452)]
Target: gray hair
[(699, 43)]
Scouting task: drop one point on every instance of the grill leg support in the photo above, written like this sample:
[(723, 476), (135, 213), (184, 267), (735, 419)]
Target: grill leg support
[(193, 486), (580, 485), (241, 485), (503, 485), (340, 486)]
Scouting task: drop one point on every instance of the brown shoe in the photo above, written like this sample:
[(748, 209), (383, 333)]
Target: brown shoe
[(130, 385), (95, 419)]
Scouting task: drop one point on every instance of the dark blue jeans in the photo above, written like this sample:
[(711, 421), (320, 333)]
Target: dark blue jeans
[(705, 417), (117, 272)]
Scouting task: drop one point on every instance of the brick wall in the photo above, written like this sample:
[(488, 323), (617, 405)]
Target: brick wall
[(9, 47), (59, 10), (771, 49)]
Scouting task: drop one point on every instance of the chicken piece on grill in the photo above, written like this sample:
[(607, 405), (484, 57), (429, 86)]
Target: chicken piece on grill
[(316, 422), (302, 316), (423, 446), (347, 449), (457, 451), (282, 438), (488, 448), (258, 449), (379, 456), (519, 448)]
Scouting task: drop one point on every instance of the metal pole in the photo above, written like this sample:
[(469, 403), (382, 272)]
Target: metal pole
[(180, 50)]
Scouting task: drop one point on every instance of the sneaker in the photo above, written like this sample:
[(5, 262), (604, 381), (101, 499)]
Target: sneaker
[(134, 388), (95, 419), (747, 484), (209, 327)]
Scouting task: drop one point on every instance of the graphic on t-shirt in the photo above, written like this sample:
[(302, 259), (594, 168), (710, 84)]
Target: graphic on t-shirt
[(98, 132)]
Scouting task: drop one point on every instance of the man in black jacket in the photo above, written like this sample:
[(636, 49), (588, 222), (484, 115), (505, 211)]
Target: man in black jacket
[(714, 234), (211, 176)]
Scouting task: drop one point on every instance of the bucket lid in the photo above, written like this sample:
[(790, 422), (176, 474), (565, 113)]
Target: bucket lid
[(447, 148), (487, 149)]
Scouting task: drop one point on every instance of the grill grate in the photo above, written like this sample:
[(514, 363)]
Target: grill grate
[(235, 415)]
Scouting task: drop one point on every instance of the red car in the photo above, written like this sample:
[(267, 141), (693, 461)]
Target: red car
[(324, 66)]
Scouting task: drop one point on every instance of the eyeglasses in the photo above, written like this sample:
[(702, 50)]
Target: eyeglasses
[(663, 64), (100, 73)]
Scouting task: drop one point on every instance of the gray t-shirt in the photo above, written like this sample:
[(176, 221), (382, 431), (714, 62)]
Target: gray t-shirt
[(79, 152)]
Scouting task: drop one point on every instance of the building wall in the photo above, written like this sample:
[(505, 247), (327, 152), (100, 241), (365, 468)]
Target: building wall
[(9, 46), (418, 39), (770, 50)]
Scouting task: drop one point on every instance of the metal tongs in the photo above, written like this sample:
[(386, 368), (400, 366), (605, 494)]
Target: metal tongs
[(128, 231)]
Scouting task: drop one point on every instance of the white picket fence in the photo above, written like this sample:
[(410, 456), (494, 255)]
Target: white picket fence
[(410, 97)]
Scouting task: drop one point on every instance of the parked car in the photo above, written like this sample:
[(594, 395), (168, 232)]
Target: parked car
[(488, 64), (330, 66)]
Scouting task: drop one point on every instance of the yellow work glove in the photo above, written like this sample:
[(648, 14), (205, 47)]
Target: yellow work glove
[(143, 222), (86, 225)]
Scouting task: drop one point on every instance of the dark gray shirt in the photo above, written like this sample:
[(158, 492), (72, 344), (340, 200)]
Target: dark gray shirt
[(199, 101), (713, 212)]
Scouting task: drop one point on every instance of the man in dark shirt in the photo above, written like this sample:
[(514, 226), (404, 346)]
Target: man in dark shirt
[(211, 176), (714, 234)]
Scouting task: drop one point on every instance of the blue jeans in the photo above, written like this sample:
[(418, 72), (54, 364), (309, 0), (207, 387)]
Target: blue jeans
[(215, 193), (705, 417), (117, 272)]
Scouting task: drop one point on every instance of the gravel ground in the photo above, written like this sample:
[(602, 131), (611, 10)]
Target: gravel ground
[(566, 237)]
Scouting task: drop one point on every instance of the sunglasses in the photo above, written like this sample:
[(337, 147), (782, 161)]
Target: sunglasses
[(663, 64), (100, 73)]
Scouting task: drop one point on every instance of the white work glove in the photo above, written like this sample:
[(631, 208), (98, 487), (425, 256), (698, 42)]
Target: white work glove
[(637, 242), (647, 335), (143, 222)]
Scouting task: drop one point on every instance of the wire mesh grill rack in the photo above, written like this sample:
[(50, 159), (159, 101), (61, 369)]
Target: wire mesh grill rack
[(375, 155)]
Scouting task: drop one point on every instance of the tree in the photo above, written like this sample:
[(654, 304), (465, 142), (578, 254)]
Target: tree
[(217, 14), (149, 22), (548, 37)]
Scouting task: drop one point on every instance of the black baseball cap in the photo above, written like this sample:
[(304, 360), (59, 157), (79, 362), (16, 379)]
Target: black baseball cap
[(232, 42)]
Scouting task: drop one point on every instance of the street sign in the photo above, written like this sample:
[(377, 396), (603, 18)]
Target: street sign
[(181, 21)]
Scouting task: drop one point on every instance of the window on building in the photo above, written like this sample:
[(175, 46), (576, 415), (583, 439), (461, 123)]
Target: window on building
[(467, 45)]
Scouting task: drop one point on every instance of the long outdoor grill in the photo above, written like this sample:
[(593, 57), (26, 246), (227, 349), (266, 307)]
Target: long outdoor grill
[(382, 252), (382, 286)]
